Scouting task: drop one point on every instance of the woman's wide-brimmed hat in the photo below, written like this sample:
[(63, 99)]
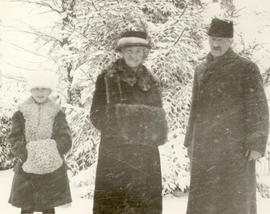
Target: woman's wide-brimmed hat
[(133, 38)]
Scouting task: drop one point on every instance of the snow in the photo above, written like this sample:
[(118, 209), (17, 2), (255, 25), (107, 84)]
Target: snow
[(171, 204), (19, 59)]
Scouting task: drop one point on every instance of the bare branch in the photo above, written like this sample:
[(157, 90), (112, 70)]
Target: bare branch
[(24, 49), (43, 4), (32, 32), (178, 39), (13, 77), (184, 10)]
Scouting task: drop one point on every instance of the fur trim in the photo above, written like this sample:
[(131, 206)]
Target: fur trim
[(141, 124), (39, 119), (142, 77)]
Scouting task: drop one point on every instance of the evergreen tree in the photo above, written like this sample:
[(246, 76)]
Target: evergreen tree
[(84, 43)]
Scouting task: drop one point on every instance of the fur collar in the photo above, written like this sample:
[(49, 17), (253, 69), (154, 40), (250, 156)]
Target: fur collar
[(141, 77), (39, 119), (213, 65)]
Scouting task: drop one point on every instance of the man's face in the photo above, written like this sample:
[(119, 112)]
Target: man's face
[(40, 95), (219, 45), (133, 56)]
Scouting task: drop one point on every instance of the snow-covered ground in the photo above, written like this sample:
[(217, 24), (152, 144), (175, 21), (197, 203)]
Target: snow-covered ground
[(171, 205)]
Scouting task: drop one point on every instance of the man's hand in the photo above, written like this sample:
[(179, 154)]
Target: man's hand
[(253, 155)]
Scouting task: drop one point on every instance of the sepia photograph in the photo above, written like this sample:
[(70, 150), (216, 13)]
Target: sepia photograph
[(134, 106)]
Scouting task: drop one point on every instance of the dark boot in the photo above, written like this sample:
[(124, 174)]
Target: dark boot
[(26, 212), (49, 211)]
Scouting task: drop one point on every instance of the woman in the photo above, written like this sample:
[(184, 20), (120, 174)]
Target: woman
[(127, 109)]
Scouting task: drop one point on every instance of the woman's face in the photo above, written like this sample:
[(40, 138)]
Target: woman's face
[(133, 56), (40, 95)]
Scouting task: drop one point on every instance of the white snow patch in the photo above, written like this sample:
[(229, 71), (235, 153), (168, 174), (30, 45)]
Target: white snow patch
[(171, 205)]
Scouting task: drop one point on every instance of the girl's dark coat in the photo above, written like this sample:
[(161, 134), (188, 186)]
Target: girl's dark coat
[(128, 177), (229, 116), (39, 192)]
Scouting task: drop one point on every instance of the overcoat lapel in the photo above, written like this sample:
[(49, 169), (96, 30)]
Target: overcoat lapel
[(212, 65)]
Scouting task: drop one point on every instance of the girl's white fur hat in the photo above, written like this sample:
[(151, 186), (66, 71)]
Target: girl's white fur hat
[(42, 79)]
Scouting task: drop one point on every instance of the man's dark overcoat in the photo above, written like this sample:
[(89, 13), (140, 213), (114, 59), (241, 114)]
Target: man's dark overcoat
[(128, 177), (229, 116)]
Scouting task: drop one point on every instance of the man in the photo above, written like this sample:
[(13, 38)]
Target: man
[(227, 130)]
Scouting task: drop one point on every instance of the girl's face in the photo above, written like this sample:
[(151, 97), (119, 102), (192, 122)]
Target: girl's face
[(133, 56), (40, 95)]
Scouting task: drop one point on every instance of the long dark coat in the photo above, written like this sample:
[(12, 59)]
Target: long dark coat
[(229, 116), (128, 177), (39, 192)]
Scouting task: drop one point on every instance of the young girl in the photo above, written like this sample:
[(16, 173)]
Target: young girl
[(40, 136)]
